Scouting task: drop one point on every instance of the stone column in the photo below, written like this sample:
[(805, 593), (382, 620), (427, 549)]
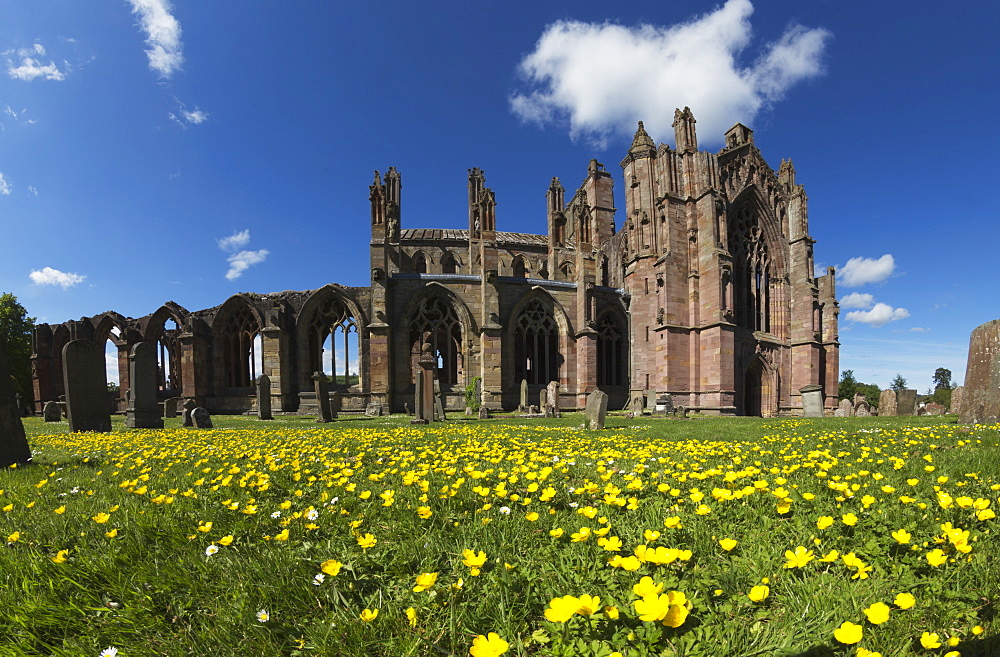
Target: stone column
[(143, 411), (427, 363)]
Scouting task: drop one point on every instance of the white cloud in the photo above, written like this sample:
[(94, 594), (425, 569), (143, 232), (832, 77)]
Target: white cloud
[(32, 190), (589, 73), (235, 241), (878, 315), (919, 329), (857, 300), (50, 276), (30, 68), (240, 262), (197, 117), (4, 186), (859, 271), (163, 35)]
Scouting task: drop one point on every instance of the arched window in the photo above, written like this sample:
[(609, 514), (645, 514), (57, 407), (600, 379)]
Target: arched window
[(536, 345), (168, 355), (334, 348), (111, 357), (752, 270), (612, 351), (566, 271), (239, 337), (419, 263), (435, 321), (518, 268), (448, 264)]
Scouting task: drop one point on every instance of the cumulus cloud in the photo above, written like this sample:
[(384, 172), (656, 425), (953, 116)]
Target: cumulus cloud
[(860, 271), (235, 241), (603, 77), (50, 276), (857, 300), (880, 314), (26, 66), (240, 262), (163, 35), (4, 186), (195, 117)]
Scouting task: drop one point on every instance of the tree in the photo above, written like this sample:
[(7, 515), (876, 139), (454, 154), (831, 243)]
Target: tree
[(942, 379), (16, 329), (848, 385), (898, 383), (871, 393)]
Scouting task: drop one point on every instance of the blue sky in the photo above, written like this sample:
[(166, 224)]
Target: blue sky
[(186, 151)]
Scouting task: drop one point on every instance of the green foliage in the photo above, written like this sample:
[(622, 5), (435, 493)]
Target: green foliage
[(16, 329), (942, 379), (848, 385), (898, 383), (472, 400), (943, 396), (871, 393)]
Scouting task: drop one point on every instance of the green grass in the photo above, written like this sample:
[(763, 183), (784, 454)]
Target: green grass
[(153, 590)]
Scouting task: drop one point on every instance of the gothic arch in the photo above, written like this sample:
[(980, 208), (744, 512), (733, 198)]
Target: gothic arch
[(759, 272), (449, 263), (166, 342), (331, 312), (419, 262), (235, 330), (438, 317), (519, 267), (612, 348), (758, 387), (109, 320), (539, 333)]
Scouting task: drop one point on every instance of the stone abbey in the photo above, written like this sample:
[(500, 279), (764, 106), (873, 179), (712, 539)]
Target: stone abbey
[(705, 292)]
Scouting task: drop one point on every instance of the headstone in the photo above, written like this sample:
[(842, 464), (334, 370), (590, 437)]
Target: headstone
[(143, 411), (469, 412), (264, 398), (812, 400), (406, 407), (596, 410), (202, 418), (650, 401), (374, 409), (543, 398), (418, 394), (322, 388), (906, 402), (523, 405), (51, 412), (484, 412), (14, 446), (86, 385), (934, 408), (548, 411), (887, 403), (839, 412), (552, 396), (533, 410), (957, 397), (681, 411), (665, 405), (188, 406), (847, 406), (438, 402), (635, 402), (170, 407), (336, 403), (862, 409), (981, 394)]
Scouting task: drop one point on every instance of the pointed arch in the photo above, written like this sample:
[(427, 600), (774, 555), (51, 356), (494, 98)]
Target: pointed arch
[(418, 262), (519, 267), (331, 316), (539, 330), (759, 263), (166, 341), (612, 348), (441, 319), (449, 263), (236, 331)]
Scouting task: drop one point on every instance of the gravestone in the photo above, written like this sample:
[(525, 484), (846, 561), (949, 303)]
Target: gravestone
[(981, 394), (14, 446), (596, 410), (425, 386), (484, 412), (906, 402), (839, 412), (846, 406), (202, 418), (86, 384), (934, 408), (862, 409), (374, 409), (322, 388), (636, 399), (188, 406), (957, 397), (523, 405), (170, 407), (336, 403), (543, 398), (438, 402), (812, 400), (552, 395), (51, 412), (264, 398), (650, 401), (664, 405), (887, 403), (681, 411), (143, 411)]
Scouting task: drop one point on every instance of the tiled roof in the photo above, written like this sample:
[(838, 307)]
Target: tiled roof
[(447, 234)]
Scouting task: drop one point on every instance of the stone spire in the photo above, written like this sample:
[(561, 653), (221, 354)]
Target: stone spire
[(642, 143)]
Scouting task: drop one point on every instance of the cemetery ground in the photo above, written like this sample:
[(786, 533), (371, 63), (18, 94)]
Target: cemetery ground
[(709, 536)]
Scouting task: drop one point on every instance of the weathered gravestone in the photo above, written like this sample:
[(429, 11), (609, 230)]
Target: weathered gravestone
[(13, 443), (264, 398), (812, 400), (322, 388), (650, 401), (552, 396), (374, 409), (664, 405), (887, 403), (862, 409), (170, 407), (543, 398), (438, 402), (847, 407), (681, 411), (906, 402), (188, 406), (839, 412), (336, 403), (934, 408), (484, 412), (596, 410), (636, 399), (981, 397), (202, 418), (143, 411), (86, 385), (52, 412), (523, 404), (957, 397)]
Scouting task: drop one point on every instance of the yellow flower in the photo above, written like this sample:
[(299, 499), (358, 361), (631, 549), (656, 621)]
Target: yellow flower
[(728, 544), (61, 510), (205, 527), (977, 630), (13, 538), (282, 535), (848, 633), (425, 581), (799, 558), (101, 518), (849, 519), (673, 522), (824, 521), (368, 615), (613, 544), (411, 615), (877, 613), (904, 601), (60, 556), (226, 540), (936, 557), (902, 536), (424, 512), (650, 535), (562, 609), (331, 567), (647, 586), (490, 645), (630, 563), (531, 517), (864, 652), (111, 534), (366, 542), (759, 593), (613, 613), (588, 605), (986, 514), (930, 640), (830, 556)]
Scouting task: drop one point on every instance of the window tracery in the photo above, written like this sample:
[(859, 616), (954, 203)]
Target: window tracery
[(536, 345), (435, 321)]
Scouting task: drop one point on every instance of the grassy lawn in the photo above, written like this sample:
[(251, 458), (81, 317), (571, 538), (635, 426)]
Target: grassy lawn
[(370, 536)]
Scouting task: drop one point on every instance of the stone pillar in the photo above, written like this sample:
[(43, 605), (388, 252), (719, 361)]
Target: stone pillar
[(13, 443), (86, 385), (425, 410), (981, 393), (143, 411), (812, 400), (322, 388), (264, 398)]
